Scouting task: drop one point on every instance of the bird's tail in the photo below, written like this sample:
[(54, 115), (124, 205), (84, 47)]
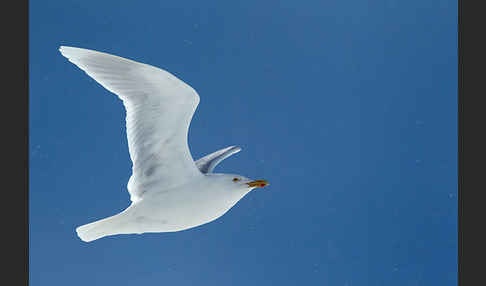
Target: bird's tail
[(100, 228)]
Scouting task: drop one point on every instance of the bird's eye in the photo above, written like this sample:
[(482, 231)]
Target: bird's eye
[(236, 180)]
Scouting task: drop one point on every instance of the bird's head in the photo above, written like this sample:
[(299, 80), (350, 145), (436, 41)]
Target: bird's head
[(240, 182)]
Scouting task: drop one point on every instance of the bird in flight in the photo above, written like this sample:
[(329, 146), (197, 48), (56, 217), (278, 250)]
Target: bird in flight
[(169, 191)]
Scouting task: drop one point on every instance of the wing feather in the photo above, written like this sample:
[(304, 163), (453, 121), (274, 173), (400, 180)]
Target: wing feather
[(207, 163), (159, 109)]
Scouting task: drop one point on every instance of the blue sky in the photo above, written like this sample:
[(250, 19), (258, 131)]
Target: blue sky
[(348, 108)]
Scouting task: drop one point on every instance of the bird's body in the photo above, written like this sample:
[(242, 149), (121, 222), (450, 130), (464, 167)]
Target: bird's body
[(169, 191), (166, 210)]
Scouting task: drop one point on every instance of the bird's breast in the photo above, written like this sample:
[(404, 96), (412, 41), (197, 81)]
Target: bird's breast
[(182, 208)]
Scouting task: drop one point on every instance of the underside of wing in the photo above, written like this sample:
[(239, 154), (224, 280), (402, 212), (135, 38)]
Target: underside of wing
[(159, 110)]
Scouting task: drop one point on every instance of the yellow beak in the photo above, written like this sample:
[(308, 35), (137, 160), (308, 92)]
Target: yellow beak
[(258, 183)]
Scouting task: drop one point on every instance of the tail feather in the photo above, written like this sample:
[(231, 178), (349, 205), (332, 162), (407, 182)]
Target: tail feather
[(98, 229)]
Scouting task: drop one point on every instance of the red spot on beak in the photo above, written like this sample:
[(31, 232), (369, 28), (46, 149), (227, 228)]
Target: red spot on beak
[(258, 184)]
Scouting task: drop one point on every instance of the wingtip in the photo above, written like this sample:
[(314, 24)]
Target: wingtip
[(233, 149), (67, 50), (61, 47)]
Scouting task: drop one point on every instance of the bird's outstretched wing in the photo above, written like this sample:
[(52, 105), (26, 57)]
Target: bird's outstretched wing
[(207, 163), (159, 109)]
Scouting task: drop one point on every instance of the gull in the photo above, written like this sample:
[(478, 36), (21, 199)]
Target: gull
[(169, 191)]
